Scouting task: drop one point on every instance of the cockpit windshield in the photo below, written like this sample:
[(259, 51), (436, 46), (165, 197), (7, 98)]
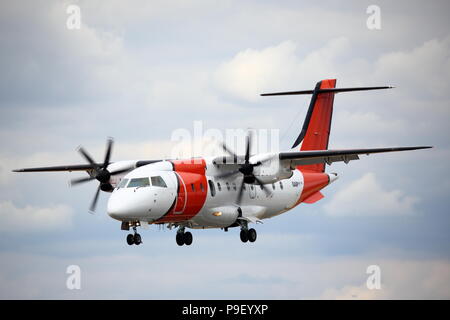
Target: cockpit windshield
[(122, 183), (139, 182), (158, 182)]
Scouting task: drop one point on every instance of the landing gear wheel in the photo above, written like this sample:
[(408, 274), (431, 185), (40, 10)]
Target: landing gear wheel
[(137, 239), (251, 235), (244, 235), (180, 238), (130, 239), (187, 238)]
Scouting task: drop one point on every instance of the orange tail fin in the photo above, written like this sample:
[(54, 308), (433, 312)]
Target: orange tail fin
[(315, 132), (317, 125)]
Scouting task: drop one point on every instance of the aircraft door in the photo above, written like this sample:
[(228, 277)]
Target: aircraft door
[(181, 197)]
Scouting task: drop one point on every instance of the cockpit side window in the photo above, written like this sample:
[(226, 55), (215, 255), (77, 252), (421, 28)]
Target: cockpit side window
[(122, 183), (139, 182), (158, 182)]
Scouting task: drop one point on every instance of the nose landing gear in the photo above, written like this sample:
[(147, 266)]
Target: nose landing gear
[(134, 238), (183, 237)]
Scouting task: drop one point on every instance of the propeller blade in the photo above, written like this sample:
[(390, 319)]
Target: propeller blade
[(228, 150), (109, 145), (88, 158), (247, 146), (265, 188), (74, 182), (94, 201), (240, 193)]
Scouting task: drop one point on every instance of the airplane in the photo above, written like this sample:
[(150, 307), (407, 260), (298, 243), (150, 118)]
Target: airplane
[(223, 191)]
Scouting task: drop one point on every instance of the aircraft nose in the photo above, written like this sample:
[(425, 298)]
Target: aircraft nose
[(116, 208), (129, 204)]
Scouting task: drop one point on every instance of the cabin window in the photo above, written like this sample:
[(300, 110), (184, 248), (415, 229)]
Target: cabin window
[(234, 186), (219, 186), (228, 186), (281, 185), (201, 187), (139, 182), (261, 186), (192, 187), (273, 186), (122, 183), (158, 182), (212, 188)]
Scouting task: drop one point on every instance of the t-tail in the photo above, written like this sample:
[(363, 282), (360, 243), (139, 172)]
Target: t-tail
[(315, 133)]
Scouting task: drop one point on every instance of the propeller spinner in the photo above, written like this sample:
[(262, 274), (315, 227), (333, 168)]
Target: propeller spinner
[(100, 172), (246, 169)]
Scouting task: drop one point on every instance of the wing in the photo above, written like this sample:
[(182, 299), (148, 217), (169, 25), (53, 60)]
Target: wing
[(330, 156), (77, 167)]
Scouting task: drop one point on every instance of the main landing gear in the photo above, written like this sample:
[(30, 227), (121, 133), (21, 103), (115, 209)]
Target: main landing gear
[(183, 237), (134, 238), (247, 234)]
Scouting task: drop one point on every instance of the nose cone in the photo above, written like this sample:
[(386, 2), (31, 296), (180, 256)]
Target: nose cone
[(126, 204), (117, 209)]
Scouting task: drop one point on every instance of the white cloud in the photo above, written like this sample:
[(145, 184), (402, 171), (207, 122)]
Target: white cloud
[(252, 72), (366, 196), (31, 218), (214, 274), (423, 69), (400, 279)]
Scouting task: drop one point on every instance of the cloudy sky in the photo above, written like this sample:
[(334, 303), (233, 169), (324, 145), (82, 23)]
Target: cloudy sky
[(139, 70)]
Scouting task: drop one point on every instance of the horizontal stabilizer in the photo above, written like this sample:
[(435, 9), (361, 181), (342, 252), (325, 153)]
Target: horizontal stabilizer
[(327, 90)]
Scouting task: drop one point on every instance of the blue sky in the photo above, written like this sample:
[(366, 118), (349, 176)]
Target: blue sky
[(139, 70)]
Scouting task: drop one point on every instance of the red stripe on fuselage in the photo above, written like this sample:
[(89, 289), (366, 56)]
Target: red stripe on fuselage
[(192, 191)]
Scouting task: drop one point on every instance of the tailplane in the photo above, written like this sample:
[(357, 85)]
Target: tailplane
[(316, 128)]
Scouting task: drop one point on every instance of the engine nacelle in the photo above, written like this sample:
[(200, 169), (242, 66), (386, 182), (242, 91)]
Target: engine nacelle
[(272, 170), (120, 165)]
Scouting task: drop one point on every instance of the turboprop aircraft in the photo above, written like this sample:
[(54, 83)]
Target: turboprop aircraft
[(223, 191)]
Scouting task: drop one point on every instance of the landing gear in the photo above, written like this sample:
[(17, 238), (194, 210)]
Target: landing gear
[(130, 239), (244, 235), (188, 238), (134, 238), (251, 235), (137, 239), (183, 237), (247, 234)]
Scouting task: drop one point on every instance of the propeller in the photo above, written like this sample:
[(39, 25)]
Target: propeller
[(246, 168), (101, 173)]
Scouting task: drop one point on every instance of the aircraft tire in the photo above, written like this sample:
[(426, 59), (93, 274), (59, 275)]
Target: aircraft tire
[(252, 235), (137, 239), (187, 238), (130, 239), (180, 239), (244, 236)]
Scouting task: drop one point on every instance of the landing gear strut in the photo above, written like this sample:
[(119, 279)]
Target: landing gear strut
[(247, 234), (134, 238), (183, 237)]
